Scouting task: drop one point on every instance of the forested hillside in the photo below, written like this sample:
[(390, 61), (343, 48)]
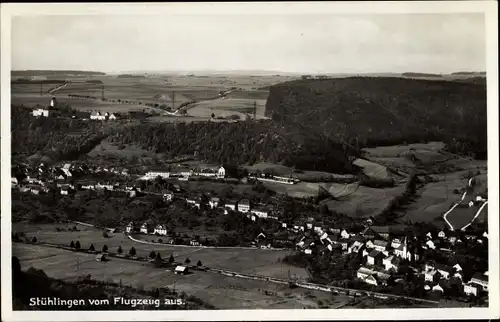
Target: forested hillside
[(240, 143), (373, 111), (56, 138)]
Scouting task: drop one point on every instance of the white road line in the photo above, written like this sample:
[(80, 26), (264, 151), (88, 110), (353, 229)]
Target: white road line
[(477, 214)]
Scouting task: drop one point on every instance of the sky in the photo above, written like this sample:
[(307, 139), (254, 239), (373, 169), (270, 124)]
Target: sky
[(309, 43)]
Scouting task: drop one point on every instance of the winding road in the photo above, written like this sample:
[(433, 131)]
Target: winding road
[(469, 184)]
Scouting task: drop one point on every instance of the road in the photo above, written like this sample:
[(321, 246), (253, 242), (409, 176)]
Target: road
[(477, 215), (456, 205)]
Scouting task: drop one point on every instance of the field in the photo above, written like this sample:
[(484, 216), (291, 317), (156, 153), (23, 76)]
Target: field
[(227, 107), (256, 261), (221, 291), (126, 94), (365, 201), (397, 157), (309, 189)]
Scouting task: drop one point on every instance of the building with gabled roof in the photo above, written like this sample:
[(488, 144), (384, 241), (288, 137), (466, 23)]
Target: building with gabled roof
[(375, 257), (161, 230)]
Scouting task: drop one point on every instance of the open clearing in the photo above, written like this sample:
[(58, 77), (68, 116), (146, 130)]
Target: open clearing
[(222, 291), (227, 107), (262, 262), (365, 201)]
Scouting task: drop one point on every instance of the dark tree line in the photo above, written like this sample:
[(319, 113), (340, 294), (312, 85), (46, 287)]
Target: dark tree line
[(368, 112)]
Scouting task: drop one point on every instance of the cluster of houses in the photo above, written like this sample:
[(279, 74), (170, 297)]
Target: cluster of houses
[(99, 116), (37, 180), (382, 255), (185, 174), (44, 111)]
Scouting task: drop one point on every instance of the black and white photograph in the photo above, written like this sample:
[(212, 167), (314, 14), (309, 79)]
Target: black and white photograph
[(279, 160)]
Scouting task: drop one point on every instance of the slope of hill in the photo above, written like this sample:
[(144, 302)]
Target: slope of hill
[(374, 111), (240, 143)]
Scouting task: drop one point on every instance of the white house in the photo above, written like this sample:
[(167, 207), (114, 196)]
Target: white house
[(214, 202), (438, 288), (471, 204), (260, 212), (153, 174), (380, 245), (354, 247), (430, 244), (391, 262), (395, 243), (144, 228), (96, 115), (344, 234), (283, 225), (442, 234), (41, 112), (457, 267), (429, 235), (221, 173), (431, 276), (445, 270), (161, 230), (168, 196), (481, 280), (181, 270), (194, 201), (230, 205), (374, 257), (308, 251), (112, 116), (130, 227), (66, 169), (244, 205), (470, 289)]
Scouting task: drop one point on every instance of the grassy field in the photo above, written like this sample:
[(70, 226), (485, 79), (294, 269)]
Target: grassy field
[(157, 89), (309, 189), (221, 291), (373, 170), (227, 107), (241, 260), (365, 201)]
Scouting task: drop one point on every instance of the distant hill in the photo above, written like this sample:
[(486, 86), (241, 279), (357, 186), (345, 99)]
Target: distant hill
[(239, 143), (130, 76), (469, 73), (372, 111), (420, 75), (54, 73)]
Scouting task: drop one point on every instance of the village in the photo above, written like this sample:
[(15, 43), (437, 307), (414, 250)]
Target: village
[(383, 250)]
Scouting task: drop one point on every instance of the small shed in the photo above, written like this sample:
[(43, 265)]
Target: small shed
[(100, 258), (181, 270)]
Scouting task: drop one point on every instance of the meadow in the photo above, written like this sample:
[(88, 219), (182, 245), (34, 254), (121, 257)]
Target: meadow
[(222, 291), (262, 262)]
